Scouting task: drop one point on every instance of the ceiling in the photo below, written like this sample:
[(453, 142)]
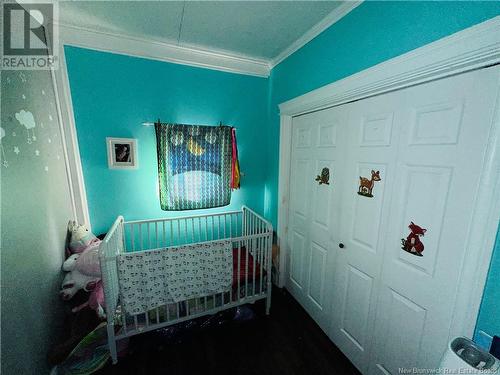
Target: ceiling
[(257, 29)]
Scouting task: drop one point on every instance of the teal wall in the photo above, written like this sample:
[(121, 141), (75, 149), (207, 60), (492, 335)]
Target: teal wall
[(35, 209), (370, 34), (113, 94)]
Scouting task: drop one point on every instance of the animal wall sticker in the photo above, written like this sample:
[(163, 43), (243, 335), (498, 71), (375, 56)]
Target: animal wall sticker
[(412, 243), (366, 185), (324, 178)]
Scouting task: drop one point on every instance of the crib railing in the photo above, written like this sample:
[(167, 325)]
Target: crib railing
[(160, 233), (110, 247), (251, 238), (253, 223)]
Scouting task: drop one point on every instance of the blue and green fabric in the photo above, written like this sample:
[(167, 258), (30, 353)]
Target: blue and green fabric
[(194, 166)]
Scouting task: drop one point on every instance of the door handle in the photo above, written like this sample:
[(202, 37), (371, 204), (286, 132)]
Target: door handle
[(341, 245)]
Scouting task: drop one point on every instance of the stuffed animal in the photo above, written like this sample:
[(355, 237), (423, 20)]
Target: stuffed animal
[(80, 238), (83, 269), (95, 301)]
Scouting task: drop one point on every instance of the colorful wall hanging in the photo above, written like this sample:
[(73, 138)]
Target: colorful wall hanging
[(366, 185), (324, 177), (194, 166), (235, 164), (412, 243)]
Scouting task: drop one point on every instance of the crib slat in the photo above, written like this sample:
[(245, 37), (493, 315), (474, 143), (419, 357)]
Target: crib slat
[(254, 250), (140, 236), (206, 228), (246, 269), (199, 229), (192, 229), (178, 232), (156, 234), (132, 236), (164, 234), (185, 238), (149, 236), (213, 224), (124, 322), (238, 270), (261, 256), (225, 226), (171, 233)]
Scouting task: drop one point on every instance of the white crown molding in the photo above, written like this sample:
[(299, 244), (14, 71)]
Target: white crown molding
[(317, 29), (192, 55), (155, 50), (469, 49)]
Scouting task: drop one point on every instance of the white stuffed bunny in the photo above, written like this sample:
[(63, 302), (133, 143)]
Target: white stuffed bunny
[(82, 267)]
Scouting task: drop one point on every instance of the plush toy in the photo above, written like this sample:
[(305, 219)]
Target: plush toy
[(82, 267), (80, 238), (95, 301)]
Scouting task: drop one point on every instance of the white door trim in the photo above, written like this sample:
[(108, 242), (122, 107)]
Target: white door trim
[(473, 48), (72, 155)]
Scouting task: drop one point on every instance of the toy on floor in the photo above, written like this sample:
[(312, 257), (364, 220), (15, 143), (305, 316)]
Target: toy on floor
[(83, 270), (88, 356)]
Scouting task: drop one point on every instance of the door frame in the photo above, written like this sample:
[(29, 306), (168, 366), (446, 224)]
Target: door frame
[(470, 49)]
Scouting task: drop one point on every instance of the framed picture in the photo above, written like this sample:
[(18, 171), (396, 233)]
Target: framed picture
[(122, 153)]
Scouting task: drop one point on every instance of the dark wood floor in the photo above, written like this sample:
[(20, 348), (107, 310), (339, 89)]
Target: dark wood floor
[(286, 342)]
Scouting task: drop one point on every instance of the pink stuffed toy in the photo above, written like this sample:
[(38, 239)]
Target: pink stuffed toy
[(95, 302), (83, 268)]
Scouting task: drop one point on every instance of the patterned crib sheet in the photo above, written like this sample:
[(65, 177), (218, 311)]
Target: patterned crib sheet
[(152, 278)]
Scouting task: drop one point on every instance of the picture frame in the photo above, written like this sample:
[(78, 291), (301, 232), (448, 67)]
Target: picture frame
[(122, 153)]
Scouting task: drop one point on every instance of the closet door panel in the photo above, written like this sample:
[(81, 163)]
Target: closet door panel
[(372, 146), (316, 139), (299, 214), (445, 131)]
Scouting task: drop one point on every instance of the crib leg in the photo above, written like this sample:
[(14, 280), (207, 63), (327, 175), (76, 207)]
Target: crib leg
[(268, 302), (112, 344)]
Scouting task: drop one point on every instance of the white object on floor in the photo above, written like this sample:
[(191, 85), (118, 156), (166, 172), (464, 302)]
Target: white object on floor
[(463, 356)]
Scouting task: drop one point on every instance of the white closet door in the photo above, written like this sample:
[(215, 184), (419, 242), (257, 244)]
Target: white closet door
[(316, 145), (444, 132), (372, 146)]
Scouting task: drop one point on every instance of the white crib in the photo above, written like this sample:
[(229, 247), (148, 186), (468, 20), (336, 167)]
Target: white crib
[(251, 237)]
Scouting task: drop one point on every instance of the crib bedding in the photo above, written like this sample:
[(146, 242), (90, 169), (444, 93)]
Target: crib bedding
[(153, 278), (140, 294)]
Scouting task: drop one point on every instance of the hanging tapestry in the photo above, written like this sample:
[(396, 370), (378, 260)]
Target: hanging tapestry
[(235, 164), (194, 166)]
